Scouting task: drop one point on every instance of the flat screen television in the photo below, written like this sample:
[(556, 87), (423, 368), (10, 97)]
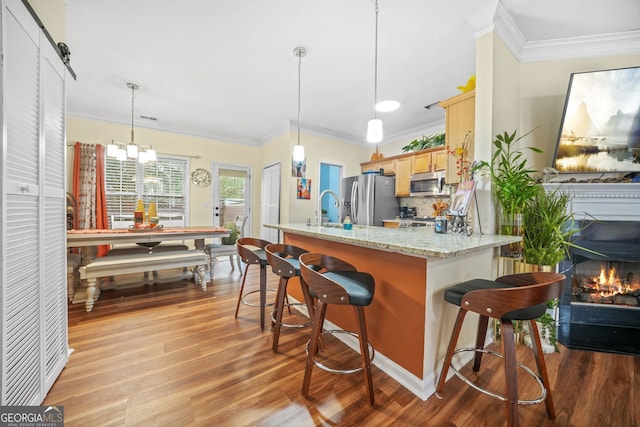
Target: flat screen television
[(600, 127)]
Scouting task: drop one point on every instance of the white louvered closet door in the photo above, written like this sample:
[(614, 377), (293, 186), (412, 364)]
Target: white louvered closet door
[(33, 345), (54, 283)]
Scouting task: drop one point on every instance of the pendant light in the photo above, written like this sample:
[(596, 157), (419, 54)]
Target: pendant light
[(374, 127), (123, 151), (298, 150)]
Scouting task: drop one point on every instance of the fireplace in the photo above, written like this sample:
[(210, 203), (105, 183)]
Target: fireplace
[(600, 304)]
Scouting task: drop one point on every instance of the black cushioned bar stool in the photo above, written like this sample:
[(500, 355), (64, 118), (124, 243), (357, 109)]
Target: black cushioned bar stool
[(251, 251), (334, 281), (509, 298), (285, 263)]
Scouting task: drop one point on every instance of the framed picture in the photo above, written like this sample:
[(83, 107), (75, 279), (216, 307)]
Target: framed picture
[(600, 127), (462, 198), (304, 189), (299, 169)]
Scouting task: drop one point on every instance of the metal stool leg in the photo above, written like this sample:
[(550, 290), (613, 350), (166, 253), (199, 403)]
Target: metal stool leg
[(263, 293)]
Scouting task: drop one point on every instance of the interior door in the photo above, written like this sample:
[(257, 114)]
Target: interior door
[(231, 193), (270, 212)]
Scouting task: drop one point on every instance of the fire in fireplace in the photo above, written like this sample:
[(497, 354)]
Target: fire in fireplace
[(607, 282)]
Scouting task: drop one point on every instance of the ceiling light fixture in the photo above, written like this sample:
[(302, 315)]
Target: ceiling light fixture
[(387, 106), (122, 151), (374, 127), (298, 150)]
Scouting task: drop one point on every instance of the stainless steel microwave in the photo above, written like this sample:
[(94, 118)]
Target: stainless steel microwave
[(428, 184)]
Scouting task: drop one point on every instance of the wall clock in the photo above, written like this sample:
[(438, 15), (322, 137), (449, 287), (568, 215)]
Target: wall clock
[(201, 177)]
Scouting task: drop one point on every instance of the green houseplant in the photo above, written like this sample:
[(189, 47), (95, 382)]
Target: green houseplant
[(430, 141), (512, 183), (548, 228)]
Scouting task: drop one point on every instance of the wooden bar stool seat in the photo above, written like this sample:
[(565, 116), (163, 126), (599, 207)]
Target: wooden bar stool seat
[(251, 251), (509, 298), (284, 261), (334, 281)]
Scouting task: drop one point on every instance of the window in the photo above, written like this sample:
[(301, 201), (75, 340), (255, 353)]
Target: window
[(163, 181)]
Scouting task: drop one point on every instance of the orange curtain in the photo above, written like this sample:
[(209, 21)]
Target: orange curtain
[(102, 220)]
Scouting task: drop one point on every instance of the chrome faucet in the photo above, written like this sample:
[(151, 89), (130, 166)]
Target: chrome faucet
[(319, 211)]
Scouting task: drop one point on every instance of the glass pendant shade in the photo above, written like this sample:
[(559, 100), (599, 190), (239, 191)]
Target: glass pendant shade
[(298, 153), (121, 154), (143, 157), (132, 151), (374, 130), (151, 155), (112, 150)]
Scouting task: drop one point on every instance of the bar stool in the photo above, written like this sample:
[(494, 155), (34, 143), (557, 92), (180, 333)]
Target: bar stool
[(251, 251), (514, 297), (285, 263), (334, 281)]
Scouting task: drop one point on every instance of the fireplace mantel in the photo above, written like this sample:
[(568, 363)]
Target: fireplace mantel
[(602, 201)]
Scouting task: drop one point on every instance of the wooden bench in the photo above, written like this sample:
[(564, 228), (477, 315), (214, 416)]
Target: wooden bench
[(139, 263)]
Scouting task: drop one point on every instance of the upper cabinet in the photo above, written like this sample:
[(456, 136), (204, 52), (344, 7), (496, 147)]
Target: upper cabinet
[(407, 164), (421, 163), (460, 120), (386, 165), (403, 176)]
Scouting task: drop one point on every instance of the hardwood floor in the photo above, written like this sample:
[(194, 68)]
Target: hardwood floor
[(172, 355)]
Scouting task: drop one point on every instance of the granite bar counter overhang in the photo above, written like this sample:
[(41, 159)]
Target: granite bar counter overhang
[(408, 322), (415, 241)]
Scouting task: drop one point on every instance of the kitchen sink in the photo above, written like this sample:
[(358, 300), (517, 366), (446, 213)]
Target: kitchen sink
[(339, 225)]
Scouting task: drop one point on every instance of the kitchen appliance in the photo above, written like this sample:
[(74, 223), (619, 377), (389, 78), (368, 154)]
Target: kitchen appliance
[(428, 184), (368, 199), (407, 212)]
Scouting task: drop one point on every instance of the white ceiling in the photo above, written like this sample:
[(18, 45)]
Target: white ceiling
[(225, 69)]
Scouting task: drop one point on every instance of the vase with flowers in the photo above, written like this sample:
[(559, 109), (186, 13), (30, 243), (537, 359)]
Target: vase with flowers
[(461, 154)]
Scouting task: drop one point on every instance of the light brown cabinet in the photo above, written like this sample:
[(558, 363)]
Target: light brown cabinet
[(440, 160), (404, 165), (421, 163), (460, 121), (388, 165), (403, 176)]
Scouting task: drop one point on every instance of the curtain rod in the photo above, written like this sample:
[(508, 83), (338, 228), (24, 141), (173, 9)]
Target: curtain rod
[(194, 156)]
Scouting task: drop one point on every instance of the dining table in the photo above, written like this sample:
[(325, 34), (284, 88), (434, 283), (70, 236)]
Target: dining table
[(89, 240)]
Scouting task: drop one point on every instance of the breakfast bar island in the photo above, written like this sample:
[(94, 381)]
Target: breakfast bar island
[(408, 322)]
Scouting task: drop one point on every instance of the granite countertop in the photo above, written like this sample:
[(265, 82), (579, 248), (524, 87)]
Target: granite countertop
[(416, 241)]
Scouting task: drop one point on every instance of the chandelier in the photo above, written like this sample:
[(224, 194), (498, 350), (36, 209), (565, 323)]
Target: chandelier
[(123, 151)]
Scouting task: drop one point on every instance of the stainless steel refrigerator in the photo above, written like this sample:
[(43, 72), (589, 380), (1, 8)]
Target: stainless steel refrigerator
[(368, 199)]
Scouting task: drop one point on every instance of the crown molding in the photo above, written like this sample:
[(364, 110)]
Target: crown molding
[(625, 43), (555, 49), (505, 27)]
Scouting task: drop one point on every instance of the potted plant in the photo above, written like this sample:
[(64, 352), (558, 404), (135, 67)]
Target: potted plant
[(547, 329), (512, 183), (549, 227), (431, 141)]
